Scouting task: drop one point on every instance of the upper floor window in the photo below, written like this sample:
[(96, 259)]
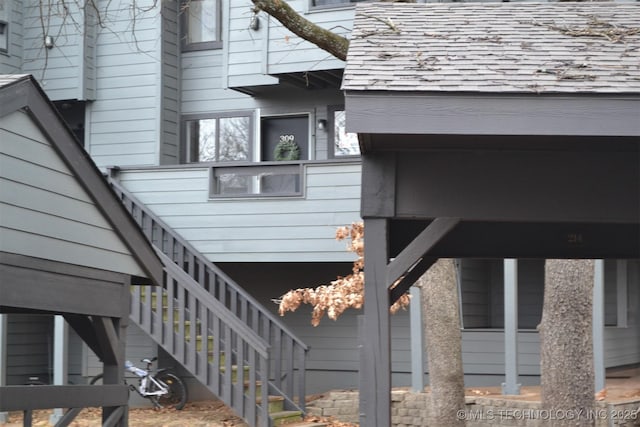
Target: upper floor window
[(221, 138), (4, 26), (201, 24), (333, 3), (341, 142)]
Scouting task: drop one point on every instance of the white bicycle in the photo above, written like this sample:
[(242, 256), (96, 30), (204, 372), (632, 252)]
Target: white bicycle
[(163, 388)]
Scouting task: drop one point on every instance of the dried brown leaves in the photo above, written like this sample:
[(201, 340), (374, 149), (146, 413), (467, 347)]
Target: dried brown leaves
[(344, 292)]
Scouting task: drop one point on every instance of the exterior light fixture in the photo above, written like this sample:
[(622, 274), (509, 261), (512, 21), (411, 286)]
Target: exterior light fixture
[(322, 124), (254, 23), (48, 42)]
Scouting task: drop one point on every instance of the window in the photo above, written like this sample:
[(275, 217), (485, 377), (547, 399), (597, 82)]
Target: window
[(256, 180), (4, 26), (201, 24), (223, 138), (341, 142), (332, 3)]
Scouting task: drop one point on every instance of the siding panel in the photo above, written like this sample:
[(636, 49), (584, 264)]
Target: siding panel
[(123, 124), (261, 229), (50, 228)]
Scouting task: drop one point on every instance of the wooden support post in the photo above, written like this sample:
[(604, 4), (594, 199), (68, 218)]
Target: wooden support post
[(417, 345), (511, 386), (60, 359), (375, 367), (598, 325), (4, 416), (112, 332)]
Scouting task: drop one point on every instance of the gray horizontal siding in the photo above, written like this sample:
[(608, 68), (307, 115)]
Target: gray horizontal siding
[(475, 289), (29, 347), (289, 53), (58, 69), (260, 230), (45, 211), (252, 55), (622, 345), (483, 352), (124, 122)]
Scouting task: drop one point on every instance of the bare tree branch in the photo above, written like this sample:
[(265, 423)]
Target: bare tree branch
[(326, 40)]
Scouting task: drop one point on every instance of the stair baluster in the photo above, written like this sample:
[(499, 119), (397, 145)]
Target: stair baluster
[(203, 303)]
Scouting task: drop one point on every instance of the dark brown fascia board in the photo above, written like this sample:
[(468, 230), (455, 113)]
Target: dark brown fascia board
[(14, 96), (26, 93)]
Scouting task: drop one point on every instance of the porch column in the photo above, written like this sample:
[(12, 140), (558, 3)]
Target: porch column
[(511, 386), (4, 416), (375, 348), (60, 359), (598, 325), (621, 292), (417, 346)]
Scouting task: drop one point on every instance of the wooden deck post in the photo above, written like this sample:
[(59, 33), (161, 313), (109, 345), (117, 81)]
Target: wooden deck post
[(4, 416), (511, 386), (417, 342), (60, 359), (598, 325), (375, 367)]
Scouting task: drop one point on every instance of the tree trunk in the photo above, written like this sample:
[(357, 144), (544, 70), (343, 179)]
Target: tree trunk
[(566, 343), (443, 343)]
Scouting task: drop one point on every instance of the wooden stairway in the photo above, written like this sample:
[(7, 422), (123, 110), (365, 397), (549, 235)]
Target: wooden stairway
[(201, 304), (276, 404)]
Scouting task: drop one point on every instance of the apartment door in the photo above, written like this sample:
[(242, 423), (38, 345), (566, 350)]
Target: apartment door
[(291, 132), (289, 128)]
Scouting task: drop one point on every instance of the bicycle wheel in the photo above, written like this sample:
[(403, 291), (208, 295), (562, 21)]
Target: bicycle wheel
[(97, 379), (176, 397)]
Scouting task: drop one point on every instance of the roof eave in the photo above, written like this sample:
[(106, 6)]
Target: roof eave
[(451, 113)]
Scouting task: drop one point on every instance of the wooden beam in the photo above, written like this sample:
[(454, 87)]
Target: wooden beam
[(420, 246), (18, 398), (375, 349), (82, 325), (410, 278), (378, 185), (115, 418), (66, 287), (107, 339)]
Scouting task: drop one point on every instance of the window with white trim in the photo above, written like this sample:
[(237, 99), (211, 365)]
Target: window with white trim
[(201, 25), (341, 142), (218, 138)]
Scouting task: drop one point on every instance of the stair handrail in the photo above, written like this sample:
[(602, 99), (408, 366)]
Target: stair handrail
[(186, 300), (247, 334), (288, 353), (263, 311)]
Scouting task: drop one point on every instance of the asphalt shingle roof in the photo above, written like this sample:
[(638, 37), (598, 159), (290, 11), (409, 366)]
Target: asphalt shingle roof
[(495, 47)]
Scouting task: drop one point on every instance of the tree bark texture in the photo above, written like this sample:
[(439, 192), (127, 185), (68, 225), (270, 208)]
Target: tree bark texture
[(443, 342), (566, 343), (325, 39)]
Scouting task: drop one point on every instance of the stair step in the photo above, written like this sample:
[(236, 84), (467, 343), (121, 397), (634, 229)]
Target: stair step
[(276, 404), (234, 372), (286, 417), (187, 338)]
